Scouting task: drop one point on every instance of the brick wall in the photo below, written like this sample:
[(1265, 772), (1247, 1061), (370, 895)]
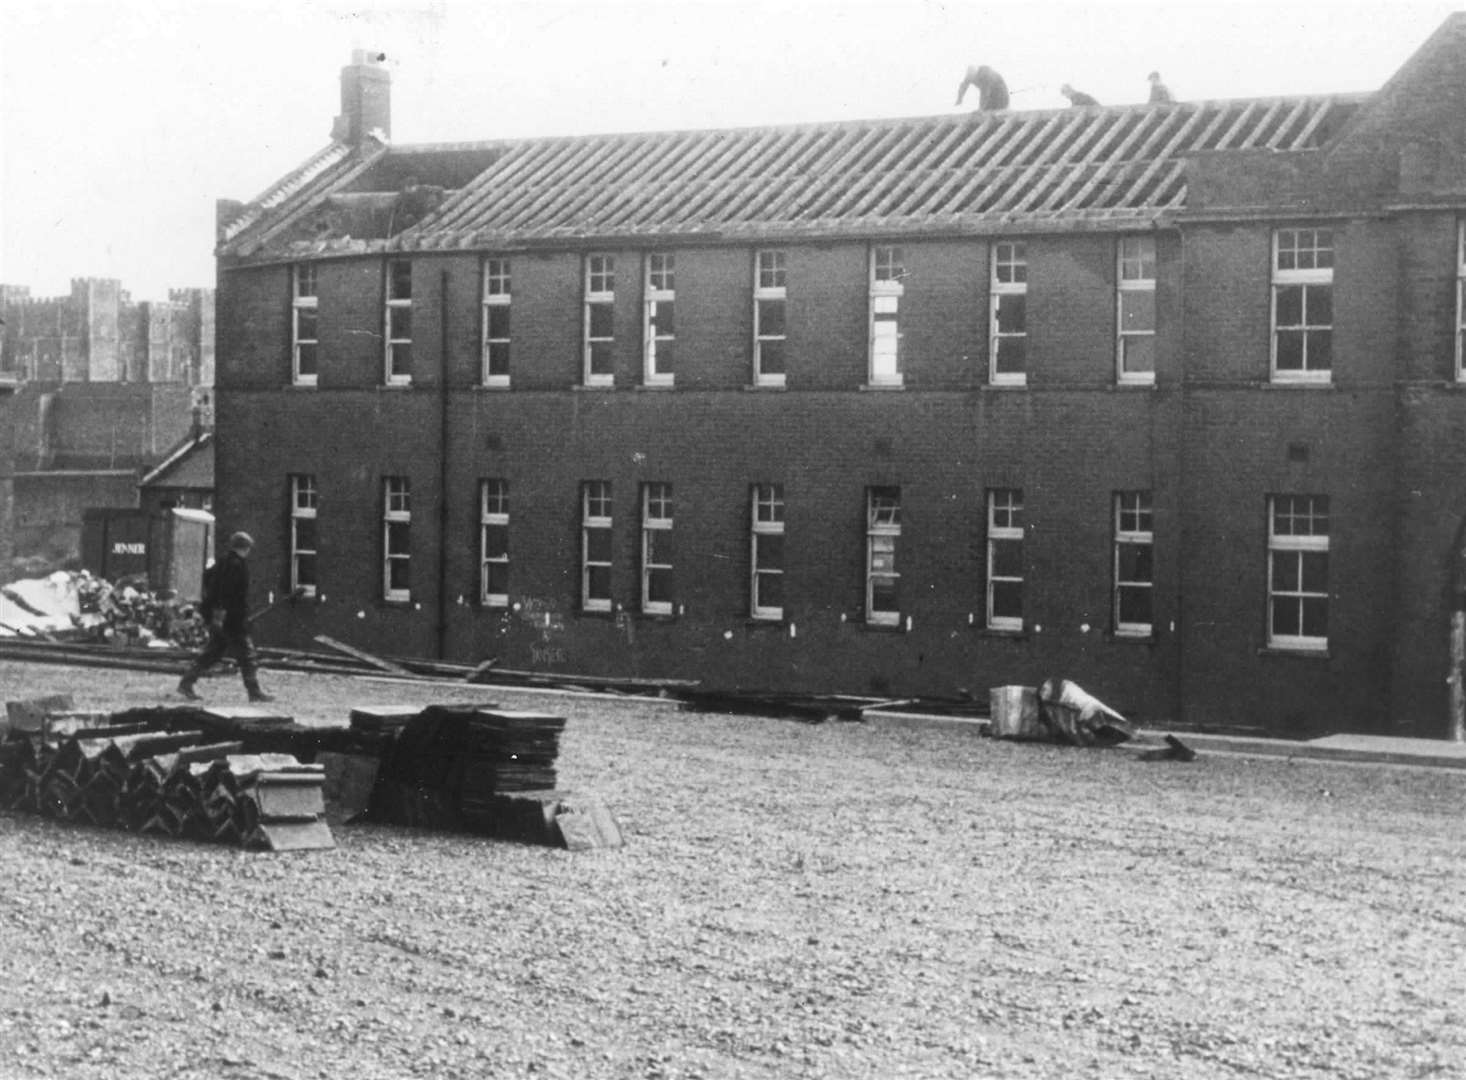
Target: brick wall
[(48, 508), (823, 439), (824, 448), (1211, 441), (7, 480)]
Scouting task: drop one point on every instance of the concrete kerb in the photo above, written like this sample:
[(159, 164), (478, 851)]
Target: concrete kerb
[(1338, 749)]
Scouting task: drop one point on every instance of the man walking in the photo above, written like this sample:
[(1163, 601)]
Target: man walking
[(226, 607)]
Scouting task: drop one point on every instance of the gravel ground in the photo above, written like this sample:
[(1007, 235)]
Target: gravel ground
[(838, 900)]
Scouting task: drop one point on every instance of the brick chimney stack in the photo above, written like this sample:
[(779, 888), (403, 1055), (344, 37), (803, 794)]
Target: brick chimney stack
[(366, 98)]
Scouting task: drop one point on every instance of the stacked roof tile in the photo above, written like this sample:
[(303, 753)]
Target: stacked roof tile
[(943, 174)]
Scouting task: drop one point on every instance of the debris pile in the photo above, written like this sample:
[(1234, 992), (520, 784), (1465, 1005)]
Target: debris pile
[(1078, 717), (1056, 711), (77, 606), (156, 774), (141, 616)]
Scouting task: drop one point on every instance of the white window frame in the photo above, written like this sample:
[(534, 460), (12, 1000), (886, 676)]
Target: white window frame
[(305, 502), (887, 286), (600, 290), (1461, 300), (1135, 274), (659, 343), (595, 517), (767, 518), (493, 514), (1003, 506), (656, 521), (497, 282), (1304, 278), (304, 303), (1008, 276), (770, 285), (882, 536), (395, 304), (1134, 528), (1297, 546), (396, 511)]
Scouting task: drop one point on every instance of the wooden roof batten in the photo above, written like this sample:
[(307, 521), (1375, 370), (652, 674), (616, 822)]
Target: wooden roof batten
[(954, 174)]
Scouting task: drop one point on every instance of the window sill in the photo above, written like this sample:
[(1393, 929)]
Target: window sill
[(883, 628), (1003, 635), (764, 387), (1295, 654), (302, 386), (1006, 386), (754, 622), (625, 614), (1132, 639), (492, 388), (1134, 384), (1290, 383), (593, 388), (882, 386), (396, 387), (655, 387)]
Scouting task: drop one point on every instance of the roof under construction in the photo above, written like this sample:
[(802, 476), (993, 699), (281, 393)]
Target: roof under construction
[(947, 174)]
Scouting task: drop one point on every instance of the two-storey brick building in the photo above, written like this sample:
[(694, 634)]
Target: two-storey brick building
[(1166, 399)]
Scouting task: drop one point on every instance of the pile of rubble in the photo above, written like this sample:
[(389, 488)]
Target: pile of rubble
[(146, 772), (78, 606)]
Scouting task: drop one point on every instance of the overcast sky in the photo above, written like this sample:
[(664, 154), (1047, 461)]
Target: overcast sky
[(122, 121)]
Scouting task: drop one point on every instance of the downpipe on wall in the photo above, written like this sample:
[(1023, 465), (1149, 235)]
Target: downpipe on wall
[(442, 628), (1458, 662)]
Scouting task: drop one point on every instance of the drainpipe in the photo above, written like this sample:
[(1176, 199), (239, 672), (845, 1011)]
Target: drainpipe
[(1458, 638), (443, 465), (1181, 497)]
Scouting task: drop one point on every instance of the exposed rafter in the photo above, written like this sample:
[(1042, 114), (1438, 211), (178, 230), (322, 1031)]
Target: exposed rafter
[(929, 174)]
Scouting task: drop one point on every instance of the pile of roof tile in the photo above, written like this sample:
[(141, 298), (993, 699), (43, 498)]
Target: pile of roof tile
[(155, 773)]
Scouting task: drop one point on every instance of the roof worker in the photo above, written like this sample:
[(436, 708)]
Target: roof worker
[(1159, 94), (992, 91), (1077, 98)]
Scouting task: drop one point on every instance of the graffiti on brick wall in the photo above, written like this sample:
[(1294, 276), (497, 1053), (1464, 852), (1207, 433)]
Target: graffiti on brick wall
[(546, 655), (546, 618)]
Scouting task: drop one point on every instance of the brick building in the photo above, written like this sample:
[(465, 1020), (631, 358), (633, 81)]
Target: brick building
[(1163, 398), (108, 387), (8, 386)]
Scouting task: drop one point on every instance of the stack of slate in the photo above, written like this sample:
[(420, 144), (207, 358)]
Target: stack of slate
[(474, 768), (351, 759), (153, 775)]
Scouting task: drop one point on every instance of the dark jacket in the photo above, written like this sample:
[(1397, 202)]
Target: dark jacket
[(229, 593)]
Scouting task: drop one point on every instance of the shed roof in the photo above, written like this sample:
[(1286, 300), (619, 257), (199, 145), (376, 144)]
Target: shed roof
[(189, 465), (969, 172)]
